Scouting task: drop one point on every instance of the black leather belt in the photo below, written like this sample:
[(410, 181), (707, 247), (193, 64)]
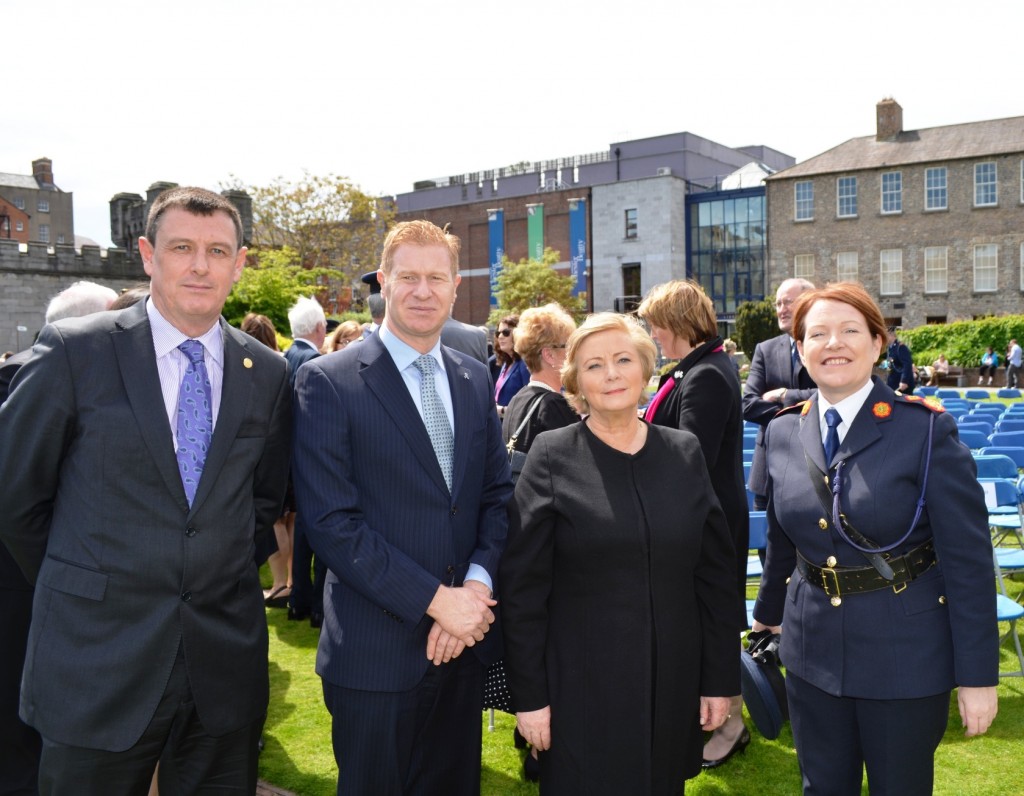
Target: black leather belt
[(837, 581)]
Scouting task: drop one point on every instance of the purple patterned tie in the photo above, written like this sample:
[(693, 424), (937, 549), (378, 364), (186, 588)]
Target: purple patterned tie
[(195, 418)]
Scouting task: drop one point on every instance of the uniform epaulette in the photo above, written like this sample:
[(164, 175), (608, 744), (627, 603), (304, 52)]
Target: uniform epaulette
[(803, 406), (928, 403)]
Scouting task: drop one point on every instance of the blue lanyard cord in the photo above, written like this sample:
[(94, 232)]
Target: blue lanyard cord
[(837, 516)]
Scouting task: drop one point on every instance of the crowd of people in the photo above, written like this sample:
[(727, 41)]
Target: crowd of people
[(154, 457)]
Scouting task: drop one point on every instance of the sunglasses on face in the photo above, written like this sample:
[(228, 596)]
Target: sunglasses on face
[(504, 332)]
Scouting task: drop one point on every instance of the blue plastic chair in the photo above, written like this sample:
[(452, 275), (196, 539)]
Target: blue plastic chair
[(966, 424), (996, 410), (1010, 424), (1013, 438), (1007, 610), (995, 466), (1015, 453), (988, 418), (758, 530), (1008, 392), (924, 392), (973, 439), (944, 394), (977, 395)]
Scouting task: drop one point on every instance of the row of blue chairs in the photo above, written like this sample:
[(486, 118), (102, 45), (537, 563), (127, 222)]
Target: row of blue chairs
[(975, 395)]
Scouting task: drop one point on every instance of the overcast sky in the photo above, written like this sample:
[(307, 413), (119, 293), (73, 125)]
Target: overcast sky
[(124, 94)]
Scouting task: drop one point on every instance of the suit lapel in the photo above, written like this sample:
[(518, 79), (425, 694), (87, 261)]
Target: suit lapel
[(382, 377), (864, 430), (460, 384), (810, 434), (133, 348), (234, 398)]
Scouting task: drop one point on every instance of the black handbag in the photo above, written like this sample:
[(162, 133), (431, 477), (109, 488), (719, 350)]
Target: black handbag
[(517, 459), (763, 684)]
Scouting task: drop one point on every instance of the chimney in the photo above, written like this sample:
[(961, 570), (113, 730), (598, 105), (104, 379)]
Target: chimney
[(42, 170), (890, 119)]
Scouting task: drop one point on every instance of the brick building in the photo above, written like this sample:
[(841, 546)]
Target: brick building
[(48, 212), (930, 221)]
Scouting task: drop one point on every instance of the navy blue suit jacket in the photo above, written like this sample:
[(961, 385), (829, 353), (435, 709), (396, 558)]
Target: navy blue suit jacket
[(377, 511), (941, 630), (296, 356), (771, 367)]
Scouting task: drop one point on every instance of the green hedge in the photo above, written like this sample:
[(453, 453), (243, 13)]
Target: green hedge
[(963, 342)]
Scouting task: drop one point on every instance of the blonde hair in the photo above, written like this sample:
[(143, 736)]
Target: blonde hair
[(594, 324), (419, 233), (682, 307), (539, 328), (346, 330)]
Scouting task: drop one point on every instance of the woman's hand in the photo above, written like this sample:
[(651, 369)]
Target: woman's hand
[(758, 626), (535, 727), (978, 708), (713, 712)]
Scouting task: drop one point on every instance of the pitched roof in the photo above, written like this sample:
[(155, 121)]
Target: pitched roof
[(931, 145), (18, 181)]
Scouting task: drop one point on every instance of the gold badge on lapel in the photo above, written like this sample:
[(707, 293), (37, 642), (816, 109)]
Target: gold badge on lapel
[(247, 363)]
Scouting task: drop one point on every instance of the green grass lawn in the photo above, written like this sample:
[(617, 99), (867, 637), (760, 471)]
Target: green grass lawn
[(298, 756)]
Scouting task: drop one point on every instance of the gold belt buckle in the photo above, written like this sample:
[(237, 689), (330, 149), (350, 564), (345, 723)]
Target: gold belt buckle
[(899, 587), (836, 598)]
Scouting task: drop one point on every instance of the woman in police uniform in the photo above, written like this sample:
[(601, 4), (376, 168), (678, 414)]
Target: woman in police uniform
[(873, 643)]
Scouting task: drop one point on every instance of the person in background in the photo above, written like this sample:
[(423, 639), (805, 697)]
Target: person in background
[(940, 368), (512, 375), (1013, 364), (345, 333), (143, 454), (884, 605), (901, 364), (989, 365), (701, 394), (618, 587), (729, 347)]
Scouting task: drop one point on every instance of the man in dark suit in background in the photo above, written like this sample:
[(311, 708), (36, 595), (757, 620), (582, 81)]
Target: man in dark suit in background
[(901, 364), (19, 743), (471, 340), (777, 379), (403, 481), (142, 452), (309, 328)]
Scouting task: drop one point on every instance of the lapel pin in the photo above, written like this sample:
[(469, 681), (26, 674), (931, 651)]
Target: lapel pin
[(247, 362), (465, 375)]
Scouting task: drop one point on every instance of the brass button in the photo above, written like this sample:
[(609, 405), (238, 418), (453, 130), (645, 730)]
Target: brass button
[(942, 599), (787, 581), (830, 561), (836, 601), (823, 524)]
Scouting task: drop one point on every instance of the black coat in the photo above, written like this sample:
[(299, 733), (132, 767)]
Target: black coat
[(706, 402), (552, 412), (616, 595)]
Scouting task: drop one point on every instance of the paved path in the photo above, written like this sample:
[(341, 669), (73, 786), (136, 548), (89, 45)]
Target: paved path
[(266, 789)]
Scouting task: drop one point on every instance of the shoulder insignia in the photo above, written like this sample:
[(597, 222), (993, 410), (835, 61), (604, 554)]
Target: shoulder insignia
[(929, 403), (803, 406), (881, 410)]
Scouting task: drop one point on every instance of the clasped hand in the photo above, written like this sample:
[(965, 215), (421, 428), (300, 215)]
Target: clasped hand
[(462, 616)]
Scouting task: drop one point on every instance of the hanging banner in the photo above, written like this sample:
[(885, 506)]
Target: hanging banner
[(496, 244), (578, 244), (535, 231)]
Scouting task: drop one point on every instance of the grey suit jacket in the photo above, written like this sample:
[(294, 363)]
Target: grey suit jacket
[(771, 367), (465, 338), (125, 572)]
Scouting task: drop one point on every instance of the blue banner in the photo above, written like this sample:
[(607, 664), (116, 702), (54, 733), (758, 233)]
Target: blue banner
[(496, 235), (578, 244)]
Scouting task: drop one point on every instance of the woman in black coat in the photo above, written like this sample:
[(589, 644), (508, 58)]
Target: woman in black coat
[(616, 585), (701, 394)]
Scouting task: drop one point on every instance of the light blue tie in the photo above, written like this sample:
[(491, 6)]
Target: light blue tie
[(832, 420), (195, 418), (435, 418)]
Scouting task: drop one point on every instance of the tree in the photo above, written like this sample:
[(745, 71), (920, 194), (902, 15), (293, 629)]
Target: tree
[(755, 323), (271, 282), (327, 221), (533, 283)]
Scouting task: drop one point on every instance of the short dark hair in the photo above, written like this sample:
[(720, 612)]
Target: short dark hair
[(198, 202)]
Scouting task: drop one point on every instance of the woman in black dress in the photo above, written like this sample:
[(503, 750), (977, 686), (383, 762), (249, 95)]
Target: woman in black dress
[(616, 585)]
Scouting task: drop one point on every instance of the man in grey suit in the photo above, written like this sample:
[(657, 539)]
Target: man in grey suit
[(403, 481), (777, 379), (142, 452), (471, 340)]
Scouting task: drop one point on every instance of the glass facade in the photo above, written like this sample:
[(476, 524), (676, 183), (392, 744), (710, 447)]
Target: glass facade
[(727, 246)]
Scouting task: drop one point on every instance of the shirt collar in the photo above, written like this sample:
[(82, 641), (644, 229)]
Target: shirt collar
[(167, 337), (847, 408), (404, 354)]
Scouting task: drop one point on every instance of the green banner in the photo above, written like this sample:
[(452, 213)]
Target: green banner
[(535, 232)]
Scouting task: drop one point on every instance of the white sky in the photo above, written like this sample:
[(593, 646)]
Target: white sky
[(123, 94)]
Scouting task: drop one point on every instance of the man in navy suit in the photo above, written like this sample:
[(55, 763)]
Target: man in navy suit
[(403, 481), (136, 520), (777, 379)]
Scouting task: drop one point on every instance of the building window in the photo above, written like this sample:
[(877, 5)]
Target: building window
[(891, 275), (44, 233), (986, 263), (846, 266), (804, 195), (631, 293), (631, 223), (803, 266), (933, 320), (19, 202), (935, 269), (892, 192), (60, 239), (19, 226), (43, 205), (935, 192), (984, 184), (846, 197)]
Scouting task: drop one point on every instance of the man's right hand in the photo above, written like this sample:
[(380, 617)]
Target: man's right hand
[(462, 612)]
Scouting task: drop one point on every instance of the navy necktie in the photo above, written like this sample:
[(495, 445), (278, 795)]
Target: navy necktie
[(794, 356), (832, 419), (195, 418)]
